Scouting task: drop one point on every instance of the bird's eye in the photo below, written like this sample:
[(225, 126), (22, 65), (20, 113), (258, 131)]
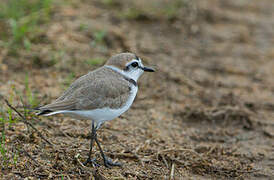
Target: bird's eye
[(134, 64)]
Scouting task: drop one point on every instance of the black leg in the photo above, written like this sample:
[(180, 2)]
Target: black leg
[(92, 138), (107, 161)]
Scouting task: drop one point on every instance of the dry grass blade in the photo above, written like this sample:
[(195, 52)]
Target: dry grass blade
[(171, 176), (25, 152)]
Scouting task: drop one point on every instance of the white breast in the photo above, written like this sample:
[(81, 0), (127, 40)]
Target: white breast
[(103, 114)]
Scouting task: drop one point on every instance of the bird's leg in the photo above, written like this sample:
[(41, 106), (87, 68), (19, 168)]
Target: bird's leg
[(92, 138), (107, 161)]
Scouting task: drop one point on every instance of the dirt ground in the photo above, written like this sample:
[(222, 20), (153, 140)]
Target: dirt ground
[(207, 113)]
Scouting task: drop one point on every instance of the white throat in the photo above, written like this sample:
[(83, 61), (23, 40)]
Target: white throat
[(133, 74)]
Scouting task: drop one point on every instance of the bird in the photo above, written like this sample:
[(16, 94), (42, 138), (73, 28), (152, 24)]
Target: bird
[(100, 95)]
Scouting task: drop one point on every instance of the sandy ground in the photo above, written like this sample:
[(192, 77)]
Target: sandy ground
[(207, 113)]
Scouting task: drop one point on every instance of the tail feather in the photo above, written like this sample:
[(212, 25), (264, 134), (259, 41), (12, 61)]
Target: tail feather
[(43, 112), (56, 107)]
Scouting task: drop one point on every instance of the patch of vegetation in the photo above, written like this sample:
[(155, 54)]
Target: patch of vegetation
[(7, 158), (21, 19), (68, 80), (171, 11), (99, 37), (30, 96), (9, 152), (3, 144), (133, 13), (110, 3), (164, 10), (99, 40), (95, 61), (83, 27), (56, 56)]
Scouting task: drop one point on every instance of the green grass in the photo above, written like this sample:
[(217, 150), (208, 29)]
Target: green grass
[(4, 160), (110, 3), (30, 96), (132, 13), (174, 8), (83, 27), (3, 147), (7, 157), (27, 97), (99, 38), (95, 61), (56, 56), (165, 10), (22, 19), (68, 80), (8, 154)]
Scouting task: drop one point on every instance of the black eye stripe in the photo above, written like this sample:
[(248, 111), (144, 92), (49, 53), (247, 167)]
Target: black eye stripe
[(134, 64)]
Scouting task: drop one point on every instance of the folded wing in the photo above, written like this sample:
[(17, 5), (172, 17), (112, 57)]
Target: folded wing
[(91, 93)]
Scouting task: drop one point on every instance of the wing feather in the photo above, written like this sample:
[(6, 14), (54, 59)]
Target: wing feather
[(91, 91)]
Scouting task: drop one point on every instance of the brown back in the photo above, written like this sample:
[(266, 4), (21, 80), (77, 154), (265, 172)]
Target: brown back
[(103, 87)]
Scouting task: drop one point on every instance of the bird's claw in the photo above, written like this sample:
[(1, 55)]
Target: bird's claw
[(109, 163), (92, 161)]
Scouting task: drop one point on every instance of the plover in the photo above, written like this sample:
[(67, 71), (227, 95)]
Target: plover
[(100, 96)]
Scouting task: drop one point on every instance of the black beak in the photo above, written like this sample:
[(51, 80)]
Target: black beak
[(148, 69)]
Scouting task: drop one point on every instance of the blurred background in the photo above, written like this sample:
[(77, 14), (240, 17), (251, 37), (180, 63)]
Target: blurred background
[(208, 111)]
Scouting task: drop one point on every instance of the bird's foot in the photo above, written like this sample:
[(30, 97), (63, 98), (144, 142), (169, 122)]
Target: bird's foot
[(109, 163), (92, 162)]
